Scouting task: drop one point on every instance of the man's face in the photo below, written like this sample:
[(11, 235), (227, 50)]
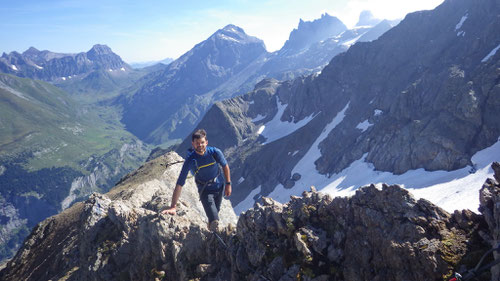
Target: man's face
[(200, 145)]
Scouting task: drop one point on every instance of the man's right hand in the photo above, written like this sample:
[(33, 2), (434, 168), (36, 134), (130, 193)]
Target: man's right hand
[(170, 211)]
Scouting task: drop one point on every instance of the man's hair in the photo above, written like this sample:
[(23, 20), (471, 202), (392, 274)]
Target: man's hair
[(200, 133)]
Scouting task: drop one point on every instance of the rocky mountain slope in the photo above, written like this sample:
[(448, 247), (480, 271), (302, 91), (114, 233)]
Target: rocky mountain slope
[(54, 151), (422, 96), (90, 77), (230, 62), (377, 234), (170, 97)]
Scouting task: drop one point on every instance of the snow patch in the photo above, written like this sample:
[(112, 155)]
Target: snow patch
[(276, 129), (454, 190), (64, 78), (14, 68), (258, 118), (225, 37), (261, 129), (377, 112), (241, 180), (492, 53), (352, 41), (122, 69), (462, 20), (37, 66), (248, 202), (306, 166), (251, 102), (363, 126), (461, 33)]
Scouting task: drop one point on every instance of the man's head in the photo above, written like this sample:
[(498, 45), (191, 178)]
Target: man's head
[(199, 141)]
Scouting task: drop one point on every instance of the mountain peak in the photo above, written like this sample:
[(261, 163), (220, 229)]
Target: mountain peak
[(309, 32), (233, 28), (234, 33), (366, 18), (31, 51), (101, 49)]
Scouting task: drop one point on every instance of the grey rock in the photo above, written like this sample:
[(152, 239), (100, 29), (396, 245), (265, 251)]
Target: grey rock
[(490, 208), (374, 235)]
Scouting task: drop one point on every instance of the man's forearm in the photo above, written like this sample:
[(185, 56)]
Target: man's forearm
[(176, 195), (227, 173)]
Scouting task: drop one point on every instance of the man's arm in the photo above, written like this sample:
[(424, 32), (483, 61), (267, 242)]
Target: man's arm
[(175, 198), (178, 188), (227, 176)]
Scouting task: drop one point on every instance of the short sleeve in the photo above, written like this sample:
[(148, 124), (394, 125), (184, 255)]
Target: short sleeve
[(181, 180), (219, 157)]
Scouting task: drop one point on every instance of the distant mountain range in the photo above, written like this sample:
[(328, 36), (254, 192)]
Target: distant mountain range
[(171, 101), (49, 66), (138, 65)]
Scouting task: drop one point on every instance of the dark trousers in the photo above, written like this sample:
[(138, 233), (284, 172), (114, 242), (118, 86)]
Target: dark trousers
[(211, 201)]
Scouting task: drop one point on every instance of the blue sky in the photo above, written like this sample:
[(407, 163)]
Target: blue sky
[(156, 29)]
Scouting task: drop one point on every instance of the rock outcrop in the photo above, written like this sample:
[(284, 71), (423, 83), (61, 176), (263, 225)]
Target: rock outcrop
[(490, 208), (377, 234), (120, 235)]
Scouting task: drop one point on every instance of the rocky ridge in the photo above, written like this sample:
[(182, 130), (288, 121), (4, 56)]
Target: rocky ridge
[(377, 234)]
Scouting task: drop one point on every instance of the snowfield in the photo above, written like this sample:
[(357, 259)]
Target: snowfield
[(453, 190)]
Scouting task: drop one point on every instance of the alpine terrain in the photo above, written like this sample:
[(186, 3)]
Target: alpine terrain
[(418, 106), (377, 234), (57, 148), (172, 101)]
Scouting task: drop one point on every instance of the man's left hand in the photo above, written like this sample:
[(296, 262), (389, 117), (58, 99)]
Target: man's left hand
[(227, 190)]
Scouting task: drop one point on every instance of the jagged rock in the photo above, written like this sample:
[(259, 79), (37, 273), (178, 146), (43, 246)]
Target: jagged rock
[(377, 234), (120, 235), (490, 208)]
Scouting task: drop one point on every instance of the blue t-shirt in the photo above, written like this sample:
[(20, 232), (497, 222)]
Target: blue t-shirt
[(204, 167)]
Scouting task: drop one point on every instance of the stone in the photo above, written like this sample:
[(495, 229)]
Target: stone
[(374, 235)]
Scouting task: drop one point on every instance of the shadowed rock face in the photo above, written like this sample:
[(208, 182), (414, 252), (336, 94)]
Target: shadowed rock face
[(377, 234)]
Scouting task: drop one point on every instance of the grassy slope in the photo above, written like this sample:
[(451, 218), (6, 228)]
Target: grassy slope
[(50, 124)]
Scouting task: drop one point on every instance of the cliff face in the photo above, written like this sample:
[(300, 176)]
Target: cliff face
[(378, 234), (422, 96)]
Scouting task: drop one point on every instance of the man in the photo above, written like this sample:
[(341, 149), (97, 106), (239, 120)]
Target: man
[(204, 162)]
